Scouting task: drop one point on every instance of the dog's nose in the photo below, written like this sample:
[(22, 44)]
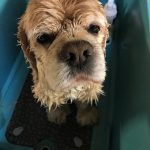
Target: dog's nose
[(76, 53)]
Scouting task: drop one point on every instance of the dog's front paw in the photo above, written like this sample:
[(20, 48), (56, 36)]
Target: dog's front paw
[(87, 116), (59, 115)]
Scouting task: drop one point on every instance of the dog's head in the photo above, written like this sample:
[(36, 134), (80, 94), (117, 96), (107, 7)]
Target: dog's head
[(64, 42)]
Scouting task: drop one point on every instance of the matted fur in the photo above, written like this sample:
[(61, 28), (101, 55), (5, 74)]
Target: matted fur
[(69, 19)]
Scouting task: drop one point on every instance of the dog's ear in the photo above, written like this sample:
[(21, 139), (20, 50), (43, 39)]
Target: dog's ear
[(24, 42), (105, 27), (105, 38)]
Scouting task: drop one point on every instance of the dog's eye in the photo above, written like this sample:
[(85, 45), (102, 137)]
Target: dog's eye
[(45, 38), (94, 29)]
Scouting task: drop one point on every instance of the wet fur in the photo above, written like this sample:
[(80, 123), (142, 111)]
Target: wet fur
[(68, 19)]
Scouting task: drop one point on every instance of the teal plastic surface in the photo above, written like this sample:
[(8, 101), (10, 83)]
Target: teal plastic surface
[(131, 123), (9, 14), (13, 69)]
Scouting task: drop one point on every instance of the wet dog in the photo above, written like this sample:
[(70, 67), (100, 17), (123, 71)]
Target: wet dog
[(64, 42)]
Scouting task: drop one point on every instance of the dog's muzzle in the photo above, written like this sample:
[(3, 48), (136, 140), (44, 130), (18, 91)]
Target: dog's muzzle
[(78, 55)]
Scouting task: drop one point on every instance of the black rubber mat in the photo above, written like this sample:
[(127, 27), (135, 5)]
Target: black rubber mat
[(29, 127)]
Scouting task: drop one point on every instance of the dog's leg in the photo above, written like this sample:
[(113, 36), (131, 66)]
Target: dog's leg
[(58, 115), (86, 114)]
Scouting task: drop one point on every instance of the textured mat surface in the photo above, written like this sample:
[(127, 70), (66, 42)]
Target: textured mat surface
[(29, 126)]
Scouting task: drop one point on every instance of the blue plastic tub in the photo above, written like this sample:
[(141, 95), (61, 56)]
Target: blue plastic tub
[(125, 123)]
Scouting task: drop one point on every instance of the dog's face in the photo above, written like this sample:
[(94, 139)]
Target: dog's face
[(64, 42)]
